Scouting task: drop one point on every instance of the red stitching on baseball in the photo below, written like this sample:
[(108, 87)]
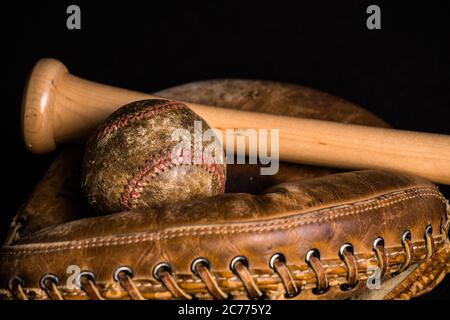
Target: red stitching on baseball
[(126, 119), (159, 163)]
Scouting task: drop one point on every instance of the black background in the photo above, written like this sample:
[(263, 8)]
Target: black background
[(401, 72)]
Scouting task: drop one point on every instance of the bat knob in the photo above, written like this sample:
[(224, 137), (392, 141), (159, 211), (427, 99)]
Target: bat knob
[(38, 116)]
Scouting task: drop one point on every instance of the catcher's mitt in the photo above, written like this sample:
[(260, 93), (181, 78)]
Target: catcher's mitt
[(311, 234)]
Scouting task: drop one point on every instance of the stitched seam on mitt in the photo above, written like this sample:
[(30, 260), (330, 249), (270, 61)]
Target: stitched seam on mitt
[(331, 213)]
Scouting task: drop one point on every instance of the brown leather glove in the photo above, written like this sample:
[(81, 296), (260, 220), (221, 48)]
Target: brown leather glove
[(310, 235)]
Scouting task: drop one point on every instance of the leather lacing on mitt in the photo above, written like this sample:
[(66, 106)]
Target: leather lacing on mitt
[(201, 268)]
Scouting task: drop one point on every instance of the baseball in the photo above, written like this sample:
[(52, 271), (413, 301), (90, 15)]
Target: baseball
[(150, 153)]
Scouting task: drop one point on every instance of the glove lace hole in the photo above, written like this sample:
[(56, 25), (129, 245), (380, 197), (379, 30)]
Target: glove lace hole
[(313, 260), (429, 241), (86, 281), (197, 263), (240, 267), (201, 268), (408, 249), (16, 285), (124, 275), (83, 277), (49, 283), (278, 264), (121, 272), (160, 268), (163, 273), (346, 253), (380, 254)]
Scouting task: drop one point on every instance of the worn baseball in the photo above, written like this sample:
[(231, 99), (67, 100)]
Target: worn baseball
[(152, 152)]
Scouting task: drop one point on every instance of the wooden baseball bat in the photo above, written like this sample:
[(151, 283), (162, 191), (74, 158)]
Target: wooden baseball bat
[(59, 107)]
